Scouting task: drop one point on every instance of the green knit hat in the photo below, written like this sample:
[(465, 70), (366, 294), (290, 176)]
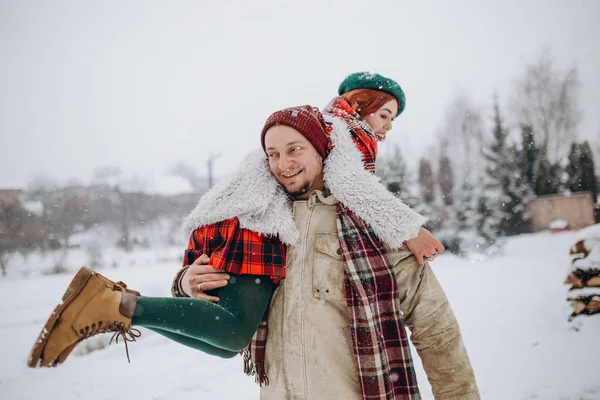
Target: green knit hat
[(369, 80)]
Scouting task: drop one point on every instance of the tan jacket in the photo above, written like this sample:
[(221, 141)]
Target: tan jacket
[(308, 353)]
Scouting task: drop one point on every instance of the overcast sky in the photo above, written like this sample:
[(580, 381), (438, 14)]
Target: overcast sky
[(144, 84)]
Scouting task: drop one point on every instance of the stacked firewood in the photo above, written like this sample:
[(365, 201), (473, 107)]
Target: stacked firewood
[(584, 275)]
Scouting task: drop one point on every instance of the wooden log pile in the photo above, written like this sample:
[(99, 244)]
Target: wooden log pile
[(584, 274)]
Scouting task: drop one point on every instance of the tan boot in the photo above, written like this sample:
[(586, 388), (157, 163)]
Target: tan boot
[(91, 305)]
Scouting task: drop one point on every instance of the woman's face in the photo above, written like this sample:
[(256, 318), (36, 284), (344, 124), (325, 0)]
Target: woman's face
[(381, 120)]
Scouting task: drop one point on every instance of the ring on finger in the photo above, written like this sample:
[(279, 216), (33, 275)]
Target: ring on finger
[(198, 287)]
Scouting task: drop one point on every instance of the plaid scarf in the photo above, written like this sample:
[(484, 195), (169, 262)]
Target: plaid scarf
[(379, 340), (362, 134)]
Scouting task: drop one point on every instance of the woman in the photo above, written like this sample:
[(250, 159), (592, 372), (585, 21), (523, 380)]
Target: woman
[(368, 103), (94, 304)]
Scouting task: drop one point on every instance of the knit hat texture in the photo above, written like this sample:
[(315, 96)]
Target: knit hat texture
[(305, 119)]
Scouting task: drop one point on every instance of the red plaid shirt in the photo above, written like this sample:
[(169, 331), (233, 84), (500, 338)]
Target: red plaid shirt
[(237, 250)]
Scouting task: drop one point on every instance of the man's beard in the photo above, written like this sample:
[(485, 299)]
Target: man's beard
[(300, 192)]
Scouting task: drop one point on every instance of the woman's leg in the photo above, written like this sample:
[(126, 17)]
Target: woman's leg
[(196, 344), (227, 325)]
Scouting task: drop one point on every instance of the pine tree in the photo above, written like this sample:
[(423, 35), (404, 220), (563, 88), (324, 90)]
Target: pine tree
[(507, 190), (572, 171), (496, 181), (547, 175), (517, 195), (581, 170), (467, 207), (394, 174), (540, 174), (529, 155), (426, 181), (446, 178)]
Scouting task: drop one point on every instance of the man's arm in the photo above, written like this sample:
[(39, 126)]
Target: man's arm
[(196, 276), (435, 331)]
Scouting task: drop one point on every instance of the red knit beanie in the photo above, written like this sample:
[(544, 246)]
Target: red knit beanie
[(306, 120)]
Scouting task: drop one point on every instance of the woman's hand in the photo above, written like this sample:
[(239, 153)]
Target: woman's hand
[(200, 277), (425, 246)]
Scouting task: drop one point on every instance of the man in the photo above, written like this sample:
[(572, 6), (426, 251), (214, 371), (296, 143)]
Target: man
[(334, 327)]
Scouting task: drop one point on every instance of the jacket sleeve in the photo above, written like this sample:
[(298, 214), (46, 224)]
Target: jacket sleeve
[(434, 329)]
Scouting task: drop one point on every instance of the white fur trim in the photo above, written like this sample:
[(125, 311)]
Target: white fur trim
[(345, 176), (254, 196)]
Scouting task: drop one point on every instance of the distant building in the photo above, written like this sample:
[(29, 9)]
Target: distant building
[(576, 208)]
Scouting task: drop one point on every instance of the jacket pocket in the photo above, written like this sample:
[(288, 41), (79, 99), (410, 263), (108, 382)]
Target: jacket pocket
[(328, 269)]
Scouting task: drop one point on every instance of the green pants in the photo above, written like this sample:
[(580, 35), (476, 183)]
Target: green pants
[(222, 329)]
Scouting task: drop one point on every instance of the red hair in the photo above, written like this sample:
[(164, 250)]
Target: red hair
[(367, 101)]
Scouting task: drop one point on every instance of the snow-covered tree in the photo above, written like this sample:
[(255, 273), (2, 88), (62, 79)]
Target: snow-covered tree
[(547, 175), (529, 155), (542, 176), (394, 174), (467, 207), (507, 191)]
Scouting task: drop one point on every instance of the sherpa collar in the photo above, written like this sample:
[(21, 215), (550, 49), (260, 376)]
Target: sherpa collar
[(253, 195)]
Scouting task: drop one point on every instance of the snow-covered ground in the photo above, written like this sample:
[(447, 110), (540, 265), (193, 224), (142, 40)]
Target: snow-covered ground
[(512, 311)]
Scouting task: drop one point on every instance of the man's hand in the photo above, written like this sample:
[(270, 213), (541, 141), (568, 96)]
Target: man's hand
[(425, 246), (200, 277)]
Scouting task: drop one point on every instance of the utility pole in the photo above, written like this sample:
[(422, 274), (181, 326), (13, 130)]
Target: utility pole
[(211, 159)]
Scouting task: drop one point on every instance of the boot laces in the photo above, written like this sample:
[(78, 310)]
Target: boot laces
[(128, 335)]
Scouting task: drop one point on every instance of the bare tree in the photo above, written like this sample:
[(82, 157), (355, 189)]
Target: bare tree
[(19, 231), (597, 154), (105, 174), (197, 181), (462, 137), (547, 98), (190, 174)]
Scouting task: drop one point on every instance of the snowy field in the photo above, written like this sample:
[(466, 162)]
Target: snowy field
[(512, 311)]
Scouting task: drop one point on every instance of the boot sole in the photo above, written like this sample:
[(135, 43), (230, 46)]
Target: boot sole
[(73, 290)]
